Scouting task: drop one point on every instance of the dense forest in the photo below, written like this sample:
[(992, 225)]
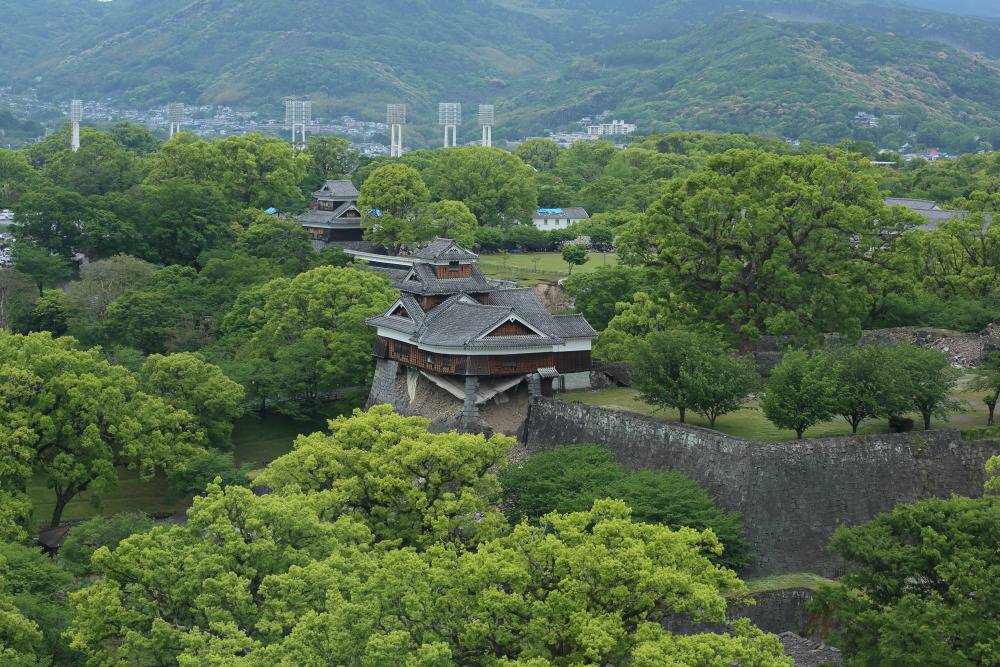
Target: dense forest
[(196, 305)]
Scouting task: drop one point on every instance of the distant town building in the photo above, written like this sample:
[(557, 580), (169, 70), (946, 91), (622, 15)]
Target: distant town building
[(931, 210), (547, 219), (614, 127)]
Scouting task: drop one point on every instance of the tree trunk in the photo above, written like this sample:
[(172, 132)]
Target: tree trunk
[(798, 432), (992, 406), (711, 421), (681, 410), (57, 512), (927, 420)]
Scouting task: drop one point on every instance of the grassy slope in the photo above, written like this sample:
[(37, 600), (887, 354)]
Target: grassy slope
[(520, 266)]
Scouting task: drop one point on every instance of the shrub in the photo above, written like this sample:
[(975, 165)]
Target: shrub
[(571, 478)]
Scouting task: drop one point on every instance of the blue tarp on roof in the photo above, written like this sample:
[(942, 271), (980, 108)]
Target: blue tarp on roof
[(550, 210), (271, 210)]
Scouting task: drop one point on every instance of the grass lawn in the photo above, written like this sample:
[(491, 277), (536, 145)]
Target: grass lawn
[(131, 494), (521, 266), (260, 439), (750, 422), (792, 580)]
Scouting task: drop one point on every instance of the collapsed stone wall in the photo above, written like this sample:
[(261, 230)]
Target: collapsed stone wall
[(964, 350), (792, 495), (409, 393)]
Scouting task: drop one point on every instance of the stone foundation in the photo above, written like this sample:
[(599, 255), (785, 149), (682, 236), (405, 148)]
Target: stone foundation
[(792, 495)]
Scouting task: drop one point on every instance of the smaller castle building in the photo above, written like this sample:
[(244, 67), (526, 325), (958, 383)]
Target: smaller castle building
[(334, 216), (475, 337)]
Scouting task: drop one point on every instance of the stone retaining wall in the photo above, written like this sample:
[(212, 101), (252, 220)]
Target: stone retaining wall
[(793, 495)]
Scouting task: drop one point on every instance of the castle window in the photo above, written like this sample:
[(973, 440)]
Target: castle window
[(430, 359), (453, 266), (445, 361)]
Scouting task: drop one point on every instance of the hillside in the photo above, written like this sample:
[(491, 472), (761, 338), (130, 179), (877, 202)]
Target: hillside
[(347, 55), (667, 64), (753, 74)]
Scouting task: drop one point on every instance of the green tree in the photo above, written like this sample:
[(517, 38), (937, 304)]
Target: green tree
[(17, 176), (542, 154), (802, 391), (408, 486), (100, 166), (282, 242), (392, 202), (327, 305), (489, 238), (103, 531), (927, 379), (867, 384), (528, 237), (453, 220), (773, 244), (601, 236), (135, 138), (597, 293), (74, 419), (193, 477), (100, 284), (922, 587), (17, 294), (272, 581), (571, 478), (988, 379), (49, 313), (575, 255), (207, 595), (179, 219), (330, 157), (496, 186), (187, 382), (50, 219), (142, 320), (687, 370), (633, 321), (34, 591), (47, 269), (257, 172)]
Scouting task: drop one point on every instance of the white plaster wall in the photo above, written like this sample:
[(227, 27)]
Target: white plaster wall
[(576, 381)]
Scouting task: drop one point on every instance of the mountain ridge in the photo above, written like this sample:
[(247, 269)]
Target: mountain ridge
[(543, 63)]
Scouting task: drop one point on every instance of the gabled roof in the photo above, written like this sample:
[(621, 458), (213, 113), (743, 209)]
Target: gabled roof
[(914, 204), (422, 280), (337, 190), (444, 249), (463, 322), (575, 326), (333, 218), (390, 320)]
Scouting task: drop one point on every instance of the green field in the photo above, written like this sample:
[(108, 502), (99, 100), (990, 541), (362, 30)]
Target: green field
[(750, 422), (523, 267)]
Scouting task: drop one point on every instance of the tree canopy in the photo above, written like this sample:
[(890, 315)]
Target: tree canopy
[(372, 548), (923, 587), (762, 243), (74, 418), (688, 370)]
